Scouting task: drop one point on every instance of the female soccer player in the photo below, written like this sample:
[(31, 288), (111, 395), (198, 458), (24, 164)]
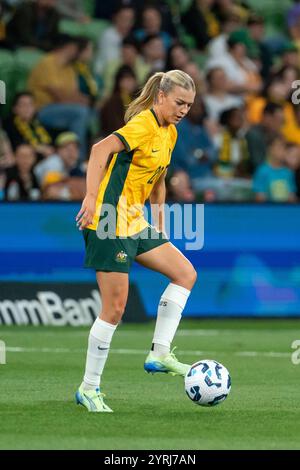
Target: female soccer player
[(116, 193)]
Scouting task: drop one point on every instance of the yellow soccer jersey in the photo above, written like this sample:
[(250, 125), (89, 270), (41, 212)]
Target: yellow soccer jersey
[(132, 173)]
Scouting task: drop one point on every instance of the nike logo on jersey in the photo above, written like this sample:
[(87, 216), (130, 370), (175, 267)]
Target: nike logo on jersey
[(102, 349), (154, 151)]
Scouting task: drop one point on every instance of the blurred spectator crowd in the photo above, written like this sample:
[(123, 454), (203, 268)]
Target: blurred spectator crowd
[(69, 69)]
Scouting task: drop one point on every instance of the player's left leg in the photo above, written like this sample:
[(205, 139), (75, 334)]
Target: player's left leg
[(168, 260)]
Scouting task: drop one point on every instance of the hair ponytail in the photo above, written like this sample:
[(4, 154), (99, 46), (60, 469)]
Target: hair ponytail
[(147, 97)]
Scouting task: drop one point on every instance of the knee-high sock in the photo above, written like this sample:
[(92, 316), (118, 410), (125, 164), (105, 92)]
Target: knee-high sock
[(170, 307), (98, 347)]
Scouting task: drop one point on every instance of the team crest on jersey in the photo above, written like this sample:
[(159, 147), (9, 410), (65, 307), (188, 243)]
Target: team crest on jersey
[(121, 257)]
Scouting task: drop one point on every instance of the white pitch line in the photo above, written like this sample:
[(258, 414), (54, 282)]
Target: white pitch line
[(264, 354), (270, 354), (199, 332), (43, 350), (74, 332), (114, 351), (181, 332)]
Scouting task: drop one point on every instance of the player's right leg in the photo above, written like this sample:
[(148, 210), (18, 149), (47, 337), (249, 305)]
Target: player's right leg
[(114, 292)]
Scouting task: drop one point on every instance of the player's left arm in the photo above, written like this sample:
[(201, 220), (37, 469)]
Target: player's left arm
[(157, 201)]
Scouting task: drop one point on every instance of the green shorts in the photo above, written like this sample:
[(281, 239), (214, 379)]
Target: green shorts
[(117, 255)]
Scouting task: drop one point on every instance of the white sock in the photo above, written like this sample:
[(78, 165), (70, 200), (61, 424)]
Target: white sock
[(170, 307), (98, 347)]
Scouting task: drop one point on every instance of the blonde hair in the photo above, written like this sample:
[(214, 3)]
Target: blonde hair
[(160, 81)]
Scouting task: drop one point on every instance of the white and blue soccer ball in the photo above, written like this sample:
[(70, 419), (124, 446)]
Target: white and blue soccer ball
[(207, 383)]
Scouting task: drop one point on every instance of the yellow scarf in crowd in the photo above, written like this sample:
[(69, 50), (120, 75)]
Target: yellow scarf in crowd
[(212, 24), (224, 168), (84, 71), (33, 133)]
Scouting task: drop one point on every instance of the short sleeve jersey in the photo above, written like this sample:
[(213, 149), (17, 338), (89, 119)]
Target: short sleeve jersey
[(132, 173)]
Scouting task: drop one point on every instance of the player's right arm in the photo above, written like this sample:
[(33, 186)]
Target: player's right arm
[(95, 173)]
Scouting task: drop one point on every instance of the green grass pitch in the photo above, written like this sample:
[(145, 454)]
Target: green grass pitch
[(45, 366)]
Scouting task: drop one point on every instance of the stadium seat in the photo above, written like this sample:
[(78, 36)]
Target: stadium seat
[(7, 67), (274, 13), (25, 60), (89, 7), (92, 30), (6, 63)]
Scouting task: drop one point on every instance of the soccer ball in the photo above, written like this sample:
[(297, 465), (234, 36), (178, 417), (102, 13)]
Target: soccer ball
[(207, 383)]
